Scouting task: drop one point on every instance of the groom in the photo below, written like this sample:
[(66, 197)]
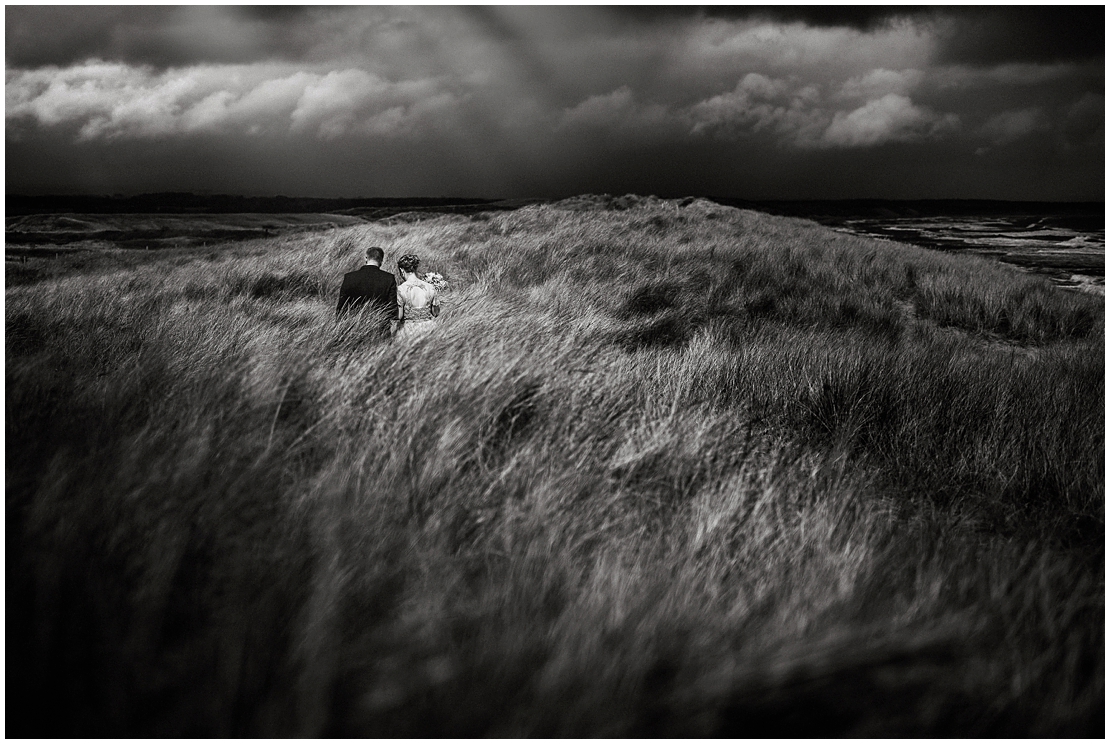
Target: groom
[(371, 289)]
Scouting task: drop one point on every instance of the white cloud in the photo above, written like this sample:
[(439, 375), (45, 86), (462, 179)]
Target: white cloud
[(757, 104), (601, 110), (799, 48), (892, 118), (330, 104), (620, 111), (880, 82), (118, 101), (800, 116), (271, 101)]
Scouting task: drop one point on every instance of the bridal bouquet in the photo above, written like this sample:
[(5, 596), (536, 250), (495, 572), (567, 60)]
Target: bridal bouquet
[(436, 280)]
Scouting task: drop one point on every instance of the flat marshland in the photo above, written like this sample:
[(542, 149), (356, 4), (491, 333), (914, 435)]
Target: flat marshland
[(664, 468)]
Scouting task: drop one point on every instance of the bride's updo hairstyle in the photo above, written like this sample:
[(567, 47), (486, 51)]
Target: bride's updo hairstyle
[(409, 263)]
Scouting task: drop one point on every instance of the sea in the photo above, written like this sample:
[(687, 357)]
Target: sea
[(1065, 242), (1068, 252)]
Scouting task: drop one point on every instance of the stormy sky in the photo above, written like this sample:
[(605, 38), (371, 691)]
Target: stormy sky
[(502, 101)]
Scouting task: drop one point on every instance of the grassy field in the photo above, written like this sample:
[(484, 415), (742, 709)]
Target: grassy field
[(665, 468), (35, 242)]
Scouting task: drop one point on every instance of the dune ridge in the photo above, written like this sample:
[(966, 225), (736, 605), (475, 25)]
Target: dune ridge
[(665, 468)]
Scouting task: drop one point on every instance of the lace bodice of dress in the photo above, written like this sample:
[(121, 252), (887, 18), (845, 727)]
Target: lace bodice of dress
[(418, 313), (416, 299)]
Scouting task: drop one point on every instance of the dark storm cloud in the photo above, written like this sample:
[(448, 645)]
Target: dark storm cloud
[(968, 34), (1039, 34), (860, 17), (161, 36), (534, 101), (271, 12), (35, 36), (164, 35)]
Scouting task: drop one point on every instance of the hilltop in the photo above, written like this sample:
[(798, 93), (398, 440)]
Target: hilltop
[(665, 468)]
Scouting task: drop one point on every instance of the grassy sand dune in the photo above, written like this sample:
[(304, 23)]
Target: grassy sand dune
[(34, 243), (663, 469)]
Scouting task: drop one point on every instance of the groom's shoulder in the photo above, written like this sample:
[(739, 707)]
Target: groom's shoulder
[(372, 273)]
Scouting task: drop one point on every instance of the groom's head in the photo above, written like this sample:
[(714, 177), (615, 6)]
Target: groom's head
[(375, 256)]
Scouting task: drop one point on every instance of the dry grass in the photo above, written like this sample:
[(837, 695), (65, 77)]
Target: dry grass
[(662, 470)]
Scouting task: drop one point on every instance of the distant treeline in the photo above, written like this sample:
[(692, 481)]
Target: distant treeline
[(178, 203)]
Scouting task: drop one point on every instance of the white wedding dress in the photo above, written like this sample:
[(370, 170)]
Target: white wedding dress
[(416, 299)]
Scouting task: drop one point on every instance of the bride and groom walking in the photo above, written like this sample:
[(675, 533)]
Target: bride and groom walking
[(404, 311)]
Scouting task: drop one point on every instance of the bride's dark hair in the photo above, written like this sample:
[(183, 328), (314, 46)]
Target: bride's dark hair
[(409, 263)]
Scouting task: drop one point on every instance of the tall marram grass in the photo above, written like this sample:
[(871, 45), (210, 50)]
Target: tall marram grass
[(662, 470)]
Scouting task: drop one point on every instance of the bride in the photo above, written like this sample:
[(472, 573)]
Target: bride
[(417, 303)]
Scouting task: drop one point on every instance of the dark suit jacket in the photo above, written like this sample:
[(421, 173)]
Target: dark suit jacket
[(369, 288)]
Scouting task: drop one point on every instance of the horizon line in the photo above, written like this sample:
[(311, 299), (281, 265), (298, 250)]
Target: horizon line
[(486, 199)]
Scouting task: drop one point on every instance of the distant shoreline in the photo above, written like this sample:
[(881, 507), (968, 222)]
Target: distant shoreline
[(1061, 240), (185, 203)]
